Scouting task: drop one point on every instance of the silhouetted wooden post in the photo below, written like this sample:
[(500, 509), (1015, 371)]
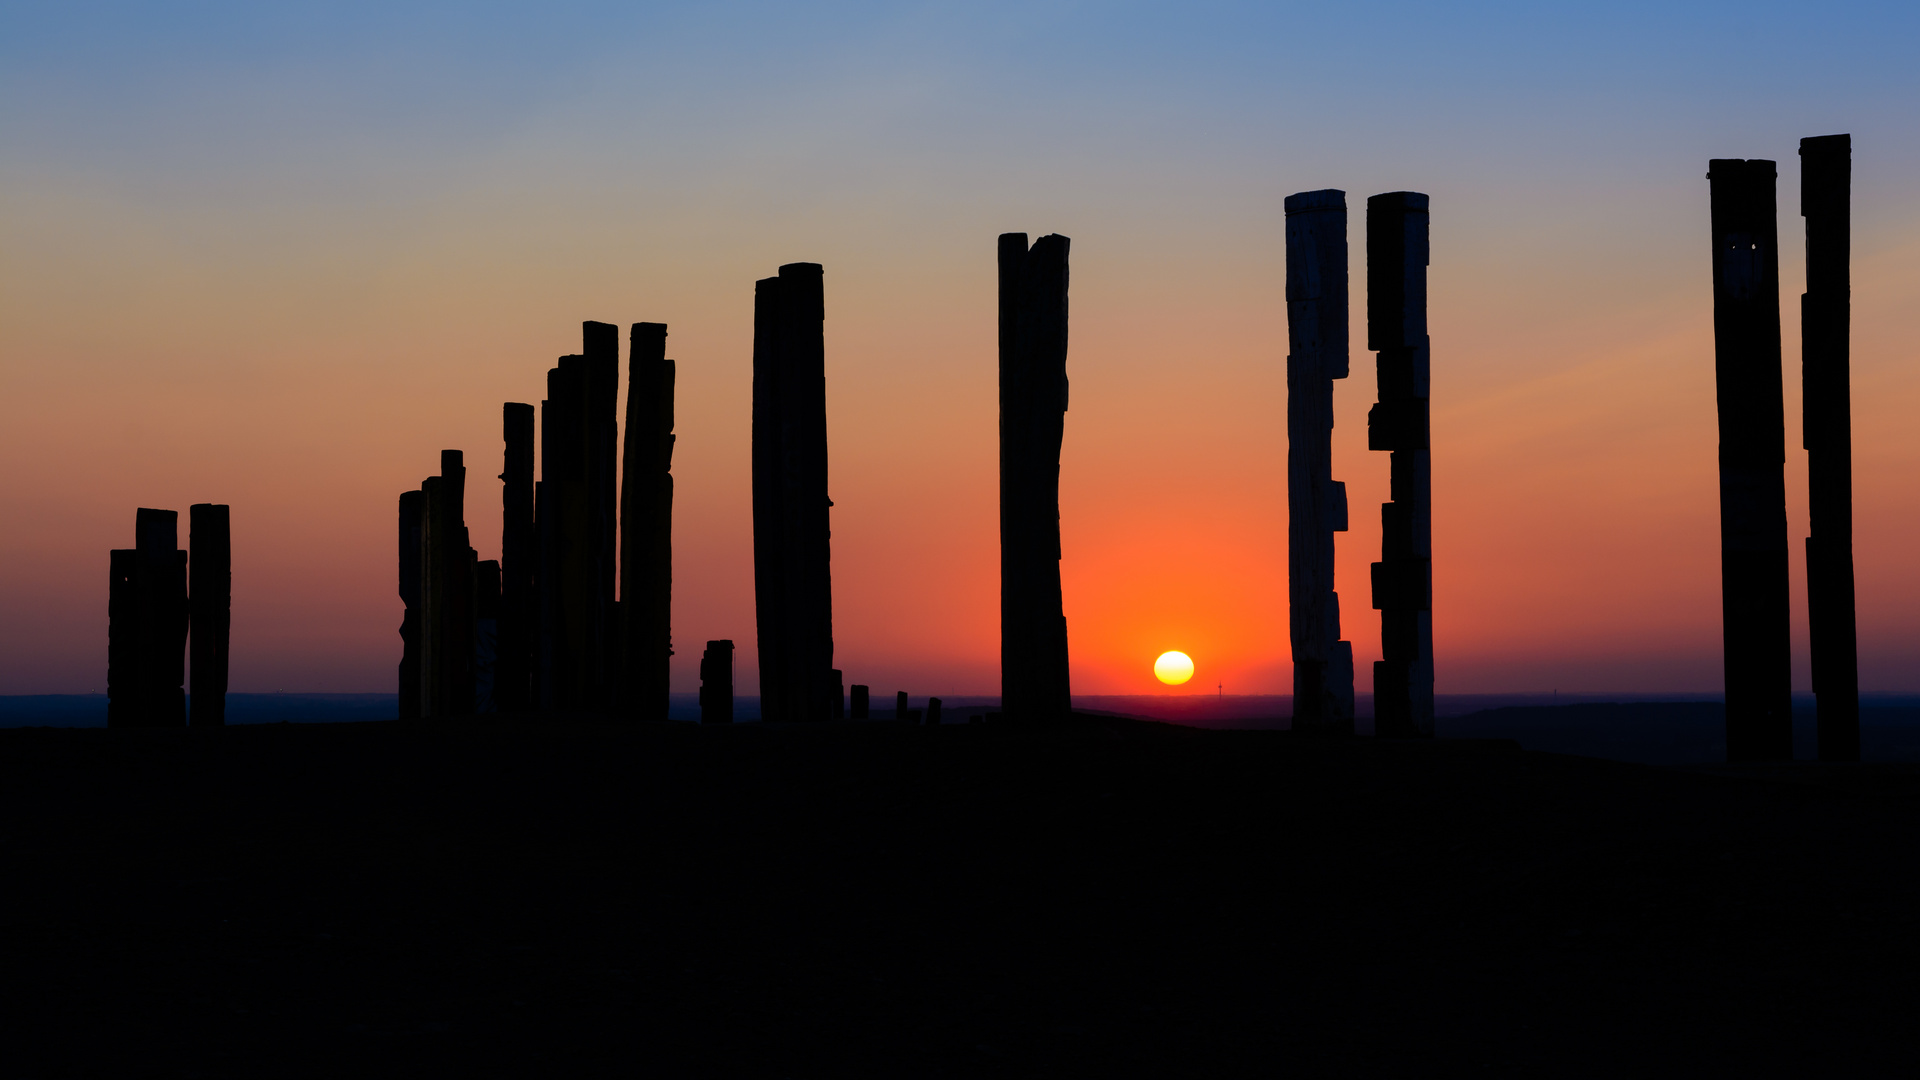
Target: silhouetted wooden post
[(1826, 176), (1398, 423), (412, 516), (716, 683), (900, 705), (1033, 405), (646, 525), (486, 636), (568, 545), (546, 585), (933, 710), (1753, 517), (160, 589), (600, 343), (124, 705), (793, 575), (209, 599), (447, 591), (858, 706), (1316, 502), (519, 620)]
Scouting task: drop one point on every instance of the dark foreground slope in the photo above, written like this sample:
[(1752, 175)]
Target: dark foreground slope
[(1115, 898)]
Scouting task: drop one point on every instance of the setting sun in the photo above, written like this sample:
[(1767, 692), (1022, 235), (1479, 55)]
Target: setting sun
[(1173, 668)]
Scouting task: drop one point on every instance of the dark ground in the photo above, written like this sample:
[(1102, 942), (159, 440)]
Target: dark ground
[(1113, 898)]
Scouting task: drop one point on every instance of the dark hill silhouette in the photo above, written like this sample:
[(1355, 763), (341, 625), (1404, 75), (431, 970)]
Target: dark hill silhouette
[(1110, 897)]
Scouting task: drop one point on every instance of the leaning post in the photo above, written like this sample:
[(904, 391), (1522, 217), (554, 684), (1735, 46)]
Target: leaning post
[(1399, 423), (1753, 516), (1826, 175)]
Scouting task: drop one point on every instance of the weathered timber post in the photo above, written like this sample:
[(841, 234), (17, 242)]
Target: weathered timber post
[(1033, 405), (793, 573), (646, 525), (210, 602), (566, 534), (858, 706), (600, 344), (486, 636), (1826, 175), (447, 617), (1398, 423), (716, 683), (412, 515), (1316, 503), (1753, 516), (546, 584), (123, 638), (519, 620), (160, 597)]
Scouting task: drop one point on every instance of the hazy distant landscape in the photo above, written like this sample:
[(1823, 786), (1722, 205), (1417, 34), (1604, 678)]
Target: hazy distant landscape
[(1667, 729)]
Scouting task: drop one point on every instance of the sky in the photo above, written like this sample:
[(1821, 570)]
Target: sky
[(279, 256)]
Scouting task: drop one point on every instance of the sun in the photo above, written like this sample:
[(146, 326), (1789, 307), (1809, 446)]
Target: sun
[(1173, 668)]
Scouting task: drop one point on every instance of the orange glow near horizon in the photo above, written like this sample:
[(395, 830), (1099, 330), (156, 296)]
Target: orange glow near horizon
[(153, 362)]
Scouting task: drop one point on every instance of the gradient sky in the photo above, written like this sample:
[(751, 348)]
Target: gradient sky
[(278, 256)]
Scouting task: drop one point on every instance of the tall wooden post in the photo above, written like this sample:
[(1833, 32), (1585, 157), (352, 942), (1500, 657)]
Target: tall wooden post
[(518, 621), (447, 593), (1826, 175), (123, 638), (1753, 517), (547, 647), (1034, 681), (716, 683), (1316, 502), (568, 544), (210, 601), (793, 576), (646, 525), (1398, 423), (600, 344), (412, 516)]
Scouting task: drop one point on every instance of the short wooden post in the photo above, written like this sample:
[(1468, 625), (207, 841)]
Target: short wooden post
[(716, 683), (209, 598)]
